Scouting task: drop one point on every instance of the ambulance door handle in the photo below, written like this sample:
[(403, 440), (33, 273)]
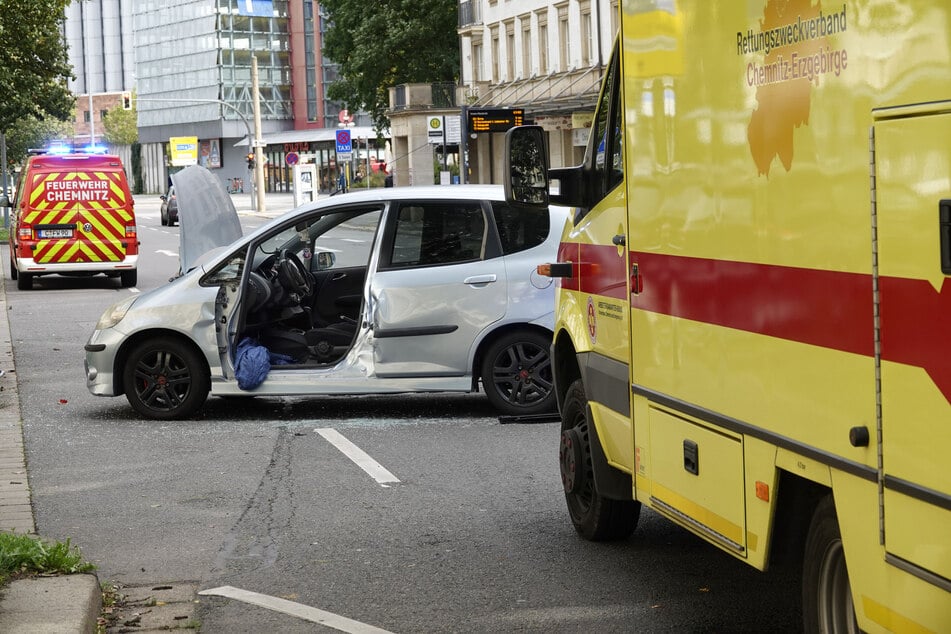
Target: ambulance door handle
[(944, 232), (619, 240)]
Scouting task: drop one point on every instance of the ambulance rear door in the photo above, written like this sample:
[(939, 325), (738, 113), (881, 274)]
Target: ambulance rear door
[(912, 161)]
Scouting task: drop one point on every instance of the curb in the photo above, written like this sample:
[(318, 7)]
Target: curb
[(68, 604)]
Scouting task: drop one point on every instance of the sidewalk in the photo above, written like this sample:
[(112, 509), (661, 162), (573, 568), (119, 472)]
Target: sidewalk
[(39, 605)]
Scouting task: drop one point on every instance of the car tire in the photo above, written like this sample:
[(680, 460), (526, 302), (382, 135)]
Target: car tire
[(517, 374), (827, 604), (13, 268), (595, 517), (128, 278), (25, 281), (166, 379)]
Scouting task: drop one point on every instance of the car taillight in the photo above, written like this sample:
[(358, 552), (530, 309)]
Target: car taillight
[(25, 233), (130, 231)]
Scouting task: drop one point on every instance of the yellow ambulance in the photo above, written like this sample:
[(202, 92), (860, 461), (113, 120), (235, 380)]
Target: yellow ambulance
[(754, 293)]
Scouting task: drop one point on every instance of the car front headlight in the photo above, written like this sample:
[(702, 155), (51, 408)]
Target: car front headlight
[(115, 313)]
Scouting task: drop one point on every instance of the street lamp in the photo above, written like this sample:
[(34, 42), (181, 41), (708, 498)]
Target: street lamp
[(87, 55)]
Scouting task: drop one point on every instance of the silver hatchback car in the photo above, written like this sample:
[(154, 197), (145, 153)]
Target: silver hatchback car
[(414, 289)]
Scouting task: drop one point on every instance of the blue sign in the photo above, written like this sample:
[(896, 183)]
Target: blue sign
[(344, 142), (256, 8)]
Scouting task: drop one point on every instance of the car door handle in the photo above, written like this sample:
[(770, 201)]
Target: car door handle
[(480, 279)]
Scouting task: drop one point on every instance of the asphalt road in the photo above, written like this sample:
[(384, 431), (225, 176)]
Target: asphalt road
[(471, 536)]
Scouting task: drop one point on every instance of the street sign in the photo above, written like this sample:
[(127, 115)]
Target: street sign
[(291, 158), (437, 130), (344, 142)]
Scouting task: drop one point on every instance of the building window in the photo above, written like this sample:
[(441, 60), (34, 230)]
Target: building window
[(85, 116), (564, 39), (526, 48), (510, 51), (477, 61), (613, 14), (542, 43), (587, 36), (495, 54), (103, 113)]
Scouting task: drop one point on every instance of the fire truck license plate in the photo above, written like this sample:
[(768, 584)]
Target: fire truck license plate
[(56, 233)]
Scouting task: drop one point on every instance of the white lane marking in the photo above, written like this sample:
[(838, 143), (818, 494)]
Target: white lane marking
[(360, 457), (174, 254), (301, 611)]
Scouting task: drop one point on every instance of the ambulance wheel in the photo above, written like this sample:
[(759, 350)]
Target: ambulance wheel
[(827, 604), (166, 379), (517, 374), (128, 278), (24, 281), (13, 269), (595, 517)]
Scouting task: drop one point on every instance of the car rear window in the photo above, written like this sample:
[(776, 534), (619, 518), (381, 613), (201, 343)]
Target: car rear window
[(520, 229)]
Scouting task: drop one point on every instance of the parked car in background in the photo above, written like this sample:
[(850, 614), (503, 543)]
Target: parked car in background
[(169, 209), (411, 289)]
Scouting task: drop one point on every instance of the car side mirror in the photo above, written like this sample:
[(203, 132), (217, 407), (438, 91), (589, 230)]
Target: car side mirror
[(163, 197), (526, 167), (325, 260), (4, 200)]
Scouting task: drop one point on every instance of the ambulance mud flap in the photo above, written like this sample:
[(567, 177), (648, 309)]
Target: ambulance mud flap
[(608, 481)]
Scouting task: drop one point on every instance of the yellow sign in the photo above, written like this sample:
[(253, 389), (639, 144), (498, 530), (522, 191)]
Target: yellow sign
[(183, 150)]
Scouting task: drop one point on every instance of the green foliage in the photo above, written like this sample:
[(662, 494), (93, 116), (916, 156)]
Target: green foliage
[(34, 65), (21, 553), (120, 126), (388, 43), (138, 187), (30, 132)]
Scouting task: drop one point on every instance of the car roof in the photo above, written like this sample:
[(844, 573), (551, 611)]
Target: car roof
[(416, 192)]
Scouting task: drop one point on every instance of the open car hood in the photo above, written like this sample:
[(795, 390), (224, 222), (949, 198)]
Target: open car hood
[(207, 218)]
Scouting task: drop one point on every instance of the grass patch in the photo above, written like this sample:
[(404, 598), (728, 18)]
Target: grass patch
[(4, 234), (22, 554)]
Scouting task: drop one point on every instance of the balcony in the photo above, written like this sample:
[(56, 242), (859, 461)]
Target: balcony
[(422, 96), (469, 14)]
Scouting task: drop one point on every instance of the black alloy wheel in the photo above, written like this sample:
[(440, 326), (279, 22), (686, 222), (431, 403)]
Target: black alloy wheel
[(166, 379), (517, 374)]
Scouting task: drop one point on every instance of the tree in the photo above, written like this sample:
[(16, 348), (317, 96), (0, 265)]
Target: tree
[(120, 125), (30, 132), (34, 65), (388, 43)]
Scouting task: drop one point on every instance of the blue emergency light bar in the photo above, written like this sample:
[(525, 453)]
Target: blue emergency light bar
[(65, 148)]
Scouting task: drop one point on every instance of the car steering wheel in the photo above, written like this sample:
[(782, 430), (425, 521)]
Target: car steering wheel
[(292, 274)]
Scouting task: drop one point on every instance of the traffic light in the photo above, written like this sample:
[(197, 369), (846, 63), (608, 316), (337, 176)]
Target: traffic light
[(127, 101), (250, 160)]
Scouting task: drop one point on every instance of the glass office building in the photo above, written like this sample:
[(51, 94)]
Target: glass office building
[(193, 73)]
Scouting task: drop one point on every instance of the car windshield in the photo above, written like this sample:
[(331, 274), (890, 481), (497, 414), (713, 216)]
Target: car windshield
[(348, 234)]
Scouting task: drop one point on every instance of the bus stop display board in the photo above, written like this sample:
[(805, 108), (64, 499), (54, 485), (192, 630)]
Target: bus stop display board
[(493, 119)]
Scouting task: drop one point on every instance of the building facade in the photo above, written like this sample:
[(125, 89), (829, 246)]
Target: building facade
[(99, 34), (546, 58)]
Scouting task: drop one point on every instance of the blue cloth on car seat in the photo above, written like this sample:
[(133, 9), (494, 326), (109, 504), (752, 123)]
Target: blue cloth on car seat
[(251, 364)]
